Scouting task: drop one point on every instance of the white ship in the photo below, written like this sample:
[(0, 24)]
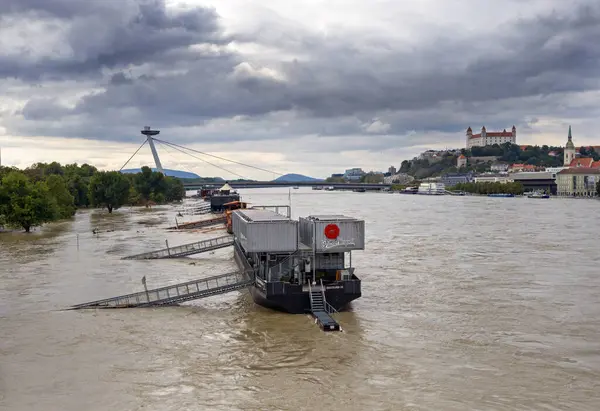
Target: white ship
[(432, 189)]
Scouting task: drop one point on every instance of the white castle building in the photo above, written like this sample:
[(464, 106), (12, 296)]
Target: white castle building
[(486, 138)]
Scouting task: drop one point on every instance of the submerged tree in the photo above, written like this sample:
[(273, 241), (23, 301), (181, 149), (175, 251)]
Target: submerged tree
[(25, 203), (109, 189), (57, 188)]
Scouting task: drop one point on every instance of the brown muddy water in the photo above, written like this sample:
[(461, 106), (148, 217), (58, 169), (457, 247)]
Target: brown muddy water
[(468, 304)]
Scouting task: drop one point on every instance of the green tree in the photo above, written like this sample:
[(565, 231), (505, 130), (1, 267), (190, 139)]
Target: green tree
[(175, 189), (372, 178), (335, 180), (593, 153), (25, 203), (143, 184), (79, 189), (57, 187), (109, 189), (154, 186)]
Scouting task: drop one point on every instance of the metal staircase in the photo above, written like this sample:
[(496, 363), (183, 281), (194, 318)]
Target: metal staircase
[(185, 250), (178, 293), (321, 310)]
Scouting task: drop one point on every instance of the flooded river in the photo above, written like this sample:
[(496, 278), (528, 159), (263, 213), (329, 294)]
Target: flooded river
[(468, 304)]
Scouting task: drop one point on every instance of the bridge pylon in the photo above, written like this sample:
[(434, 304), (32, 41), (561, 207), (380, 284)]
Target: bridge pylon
[(149, 133)]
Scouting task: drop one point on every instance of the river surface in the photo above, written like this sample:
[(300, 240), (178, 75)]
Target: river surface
[(469, 303)]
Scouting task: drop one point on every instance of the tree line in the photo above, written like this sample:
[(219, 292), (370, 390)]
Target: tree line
[(48, 192), (515, 188)]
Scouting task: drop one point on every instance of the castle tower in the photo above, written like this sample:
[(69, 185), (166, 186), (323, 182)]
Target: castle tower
[(514, 135), (461, 161), (469, 136), (569, 150)]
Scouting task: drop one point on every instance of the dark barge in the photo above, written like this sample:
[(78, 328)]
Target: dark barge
[(298, 265)]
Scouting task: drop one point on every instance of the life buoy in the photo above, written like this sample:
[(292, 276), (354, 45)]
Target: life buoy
[(332, 231)]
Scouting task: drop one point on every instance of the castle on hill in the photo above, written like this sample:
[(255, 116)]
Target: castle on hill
[(486, 138)]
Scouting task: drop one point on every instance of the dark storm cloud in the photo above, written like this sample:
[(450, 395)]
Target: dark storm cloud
[(106, 35), (438, 85)]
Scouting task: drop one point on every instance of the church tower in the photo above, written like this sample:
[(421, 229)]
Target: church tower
[(569, 150)]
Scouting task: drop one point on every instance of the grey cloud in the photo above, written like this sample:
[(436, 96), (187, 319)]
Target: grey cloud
[(110, 34), (341, 80), (441, 85)]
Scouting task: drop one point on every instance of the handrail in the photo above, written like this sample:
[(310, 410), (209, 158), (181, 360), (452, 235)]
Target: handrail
[(328, 307), (310, 295), (169, 287)]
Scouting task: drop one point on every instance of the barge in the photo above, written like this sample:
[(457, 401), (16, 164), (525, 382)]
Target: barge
[(219, 199), (295, 263), (435, 189)]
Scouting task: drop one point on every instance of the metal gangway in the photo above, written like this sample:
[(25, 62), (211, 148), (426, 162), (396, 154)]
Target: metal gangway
[(321, 309), (455, 193), (185, 249), (199, 224), (178, 293), (195, 210)]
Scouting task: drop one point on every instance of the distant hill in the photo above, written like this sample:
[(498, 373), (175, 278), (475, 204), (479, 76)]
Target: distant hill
[(295, 178), (168, 173)]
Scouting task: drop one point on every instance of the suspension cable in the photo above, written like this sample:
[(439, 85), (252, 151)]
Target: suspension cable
[(136, 151), (201, 159), (220, 158)]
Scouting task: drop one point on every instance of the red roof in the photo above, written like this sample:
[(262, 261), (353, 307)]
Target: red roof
[(582, 162), (461, 156), (596, 164), (580, 170)]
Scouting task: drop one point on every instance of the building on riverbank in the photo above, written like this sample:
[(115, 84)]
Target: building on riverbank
[(536, 181), (578, 182)]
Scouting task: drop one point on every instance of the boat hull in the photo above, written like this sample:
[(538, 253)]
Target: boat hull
[(296, 301), (294, 298)]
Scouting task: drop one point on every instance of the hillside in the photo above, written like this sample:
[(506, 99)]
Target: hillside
[(168, 173), (544, 156), (295, 178)]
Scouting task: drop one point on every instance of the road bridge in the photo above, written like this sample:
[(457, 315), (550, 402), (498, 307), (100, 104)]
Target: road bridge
[(267, 184)]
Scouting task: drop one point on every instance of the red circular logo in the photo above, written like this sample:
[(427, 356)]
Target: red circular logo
[(332, 231)]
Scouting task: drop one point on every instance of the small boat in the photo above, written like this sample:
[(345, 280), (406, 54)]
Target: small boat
[(503, 195), (409, 190), (296, 187), (359, 190), (538, 194)]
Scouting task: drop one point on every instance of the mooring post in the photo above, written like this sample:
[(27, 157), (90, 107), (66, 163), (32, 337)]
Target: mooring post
[(77, 235), (176, 224), (168, 250), (146, 288)]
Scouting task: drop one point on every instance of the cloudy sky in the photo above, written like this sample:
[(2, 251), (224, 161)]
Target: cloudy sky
[(305, 86)]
